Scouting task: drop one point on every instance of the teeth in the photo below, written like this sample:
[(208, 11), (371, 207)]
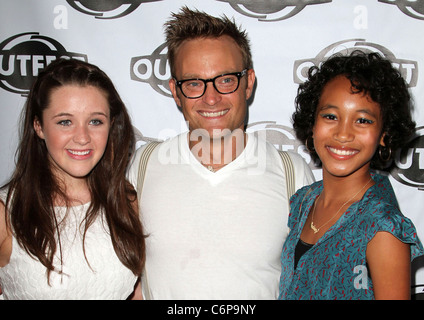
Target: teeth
[(213, 114), (342, 152), (79, 153)]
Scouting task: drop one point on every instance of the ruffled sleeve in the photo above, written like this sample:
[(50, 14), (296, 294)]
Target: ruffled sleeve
[(388, 218)]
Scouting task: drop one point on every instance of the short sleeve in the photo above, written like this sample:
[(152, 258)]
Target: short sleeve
[(389, 219)]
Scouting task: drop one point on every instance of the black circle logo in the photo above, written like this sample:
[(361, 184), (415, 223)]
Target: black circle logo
[(22, 56), (409, 162)]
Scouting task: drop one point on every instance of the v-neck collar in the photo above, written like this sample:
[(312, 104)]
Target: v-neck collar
[(224, 171), (348, 215)]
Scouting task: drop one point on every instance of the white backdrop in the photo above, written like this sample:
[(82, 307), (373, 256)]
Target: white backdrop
[(125, 38)]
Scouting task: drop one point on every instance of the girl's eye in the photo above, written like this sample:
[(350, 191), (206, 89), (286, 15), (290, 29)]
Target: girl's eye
[(64, 123), (365, 121), (329, 116), (96, 122)]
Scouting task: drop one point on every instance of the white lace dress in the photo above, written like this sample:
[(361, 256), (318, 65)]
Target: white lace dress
[(103, 277)]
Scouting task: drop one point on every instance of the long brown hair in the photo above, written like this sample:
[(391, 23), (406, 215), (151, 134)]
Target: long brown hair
[(33, 188)]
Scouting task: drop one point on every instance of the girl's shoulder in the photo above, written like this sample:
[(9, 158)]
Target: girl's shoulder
[(306, 192), (302, 201), (379, 211)]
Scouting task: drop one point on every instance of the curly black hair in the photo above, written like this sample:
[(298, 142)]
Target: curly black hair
[(369, 74)]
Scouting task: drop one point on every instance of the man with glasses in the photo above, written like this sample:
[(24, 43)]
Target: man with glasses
[(214, 202)]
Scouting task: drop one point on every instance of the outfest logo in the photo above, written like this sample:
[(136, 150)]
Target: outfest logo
[(408, 68), (22, 56), (153, 69), (412, 8), (111, 9), (408, 166), (271, 10)]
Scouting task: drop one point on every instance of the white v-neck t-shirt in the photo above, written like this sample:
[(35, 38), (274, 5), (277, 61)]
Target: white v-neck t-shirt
[(215, 235)]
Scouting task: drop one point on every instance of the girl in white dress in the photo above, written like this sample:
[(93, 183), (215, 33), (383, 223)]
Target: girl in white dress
[(69, 224)]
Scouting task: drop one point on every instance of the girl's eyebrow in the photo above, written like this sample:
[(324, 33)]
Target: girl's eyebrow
[(62, 114), (99, 114), (367, 111), (329, 106), (326, 107), (66, 114)]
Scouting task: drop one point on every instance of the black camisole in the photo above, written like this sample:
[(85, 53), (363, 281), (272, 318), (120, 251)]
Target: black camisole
[(301, 248)]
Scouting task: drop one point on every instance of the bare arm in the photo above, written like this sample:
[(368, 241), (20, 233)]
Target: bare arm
[(389, 261)]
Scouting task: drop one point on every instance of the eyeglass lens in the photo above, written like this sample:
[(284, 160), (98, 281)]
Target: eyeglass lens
[(223, 84)]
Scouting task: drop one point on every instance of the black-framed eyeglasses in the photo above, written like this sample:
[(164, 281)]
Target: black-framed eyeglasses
[(224, 84)]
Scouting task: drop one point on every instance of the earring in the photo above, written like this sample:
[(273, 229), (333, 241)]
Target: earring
[(307, 147), (380, 153)]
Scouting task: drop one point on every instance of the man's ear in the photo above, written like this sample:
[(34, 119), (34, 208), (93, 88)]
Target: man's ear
[(38, 128), (173, 87), (250, 83)]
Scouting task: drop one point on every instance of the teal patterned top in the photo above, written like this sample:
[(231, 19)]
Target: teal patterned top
[(335, 267)]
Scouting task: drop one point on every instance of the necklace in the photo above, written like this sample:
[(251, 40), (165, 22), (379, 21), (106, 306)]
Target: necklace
[(212, 169), (314, 227)]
